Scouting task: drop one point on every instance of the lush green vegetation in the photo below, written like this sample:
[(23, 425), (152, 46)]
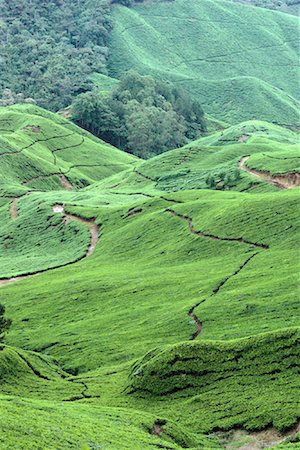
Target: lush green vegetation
[(177, 41), (141, 115), (214, 157), (223, 275), (149, 301), (49, 146), (282, 162), (48, 49), (226, 368), (5, 323)]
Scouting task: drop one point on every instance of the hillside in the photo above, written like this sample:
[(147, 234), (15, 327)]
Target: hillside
[(151, 308), (56, 153), (41, 152), (287, 6), (217, 158), (238, 61), (49, 49), (149, 225)]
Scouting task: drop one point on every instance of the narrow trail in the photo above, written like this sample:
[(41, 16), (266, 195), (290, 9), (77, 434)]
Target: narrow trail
[(90, 223), (66, 184), (221, 284), (32, 368), (191, 313), (146, 177), (284, 181), (84, 393), (170, 200), (189, 221), (15, 152), (14, 209), (94, 234), (68, 147), (92, 226)]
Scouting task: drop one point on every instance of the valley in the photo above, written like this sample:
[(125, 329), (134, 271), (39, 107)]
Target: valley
[(153, 295)]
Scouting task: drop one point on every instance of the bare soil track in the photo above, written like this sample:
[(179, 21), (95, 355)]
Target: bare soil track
[(14, 209), (282, 181), (191, 312), (94, 233)]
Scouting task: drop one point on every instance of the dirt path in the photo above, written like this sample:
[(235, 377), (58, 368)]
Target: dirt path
[(267, 438), (191, 312), (146, 177), (94, 233), (92, 226), (212, 236), (66, 183), (284, 181), (14, 209)]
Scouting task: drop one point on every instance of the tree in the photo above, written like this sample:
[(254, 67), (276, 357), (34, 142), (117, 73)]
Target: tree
[(4, 323), (211, 181), (92, 111), (49, 48), (11, 98), (153, 130), (141, 115)]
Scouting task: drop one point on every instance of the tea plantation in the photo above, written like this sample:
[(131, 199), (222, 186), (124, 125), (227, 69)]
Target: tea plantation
[(177, 325)]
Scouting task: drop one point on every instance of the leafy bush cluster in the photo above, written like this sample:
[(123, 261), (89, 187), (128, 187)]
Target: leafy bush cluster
[(141, 115), (4, 323), (222, 180), (48, 49)]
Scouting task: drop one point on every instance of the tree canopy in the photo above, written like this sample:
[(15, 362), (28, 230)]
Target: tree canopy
[(141, 115), (48, 49), (4, 323)]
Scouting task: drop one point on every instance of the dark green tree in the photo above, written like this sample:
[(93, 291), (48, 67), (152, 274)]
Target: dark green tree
[(49, 48), (141, 115), (4, 323)]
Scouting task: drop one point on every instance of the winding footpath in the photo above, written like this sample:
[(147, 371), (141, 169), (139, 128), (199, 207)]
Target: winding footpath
[(92, 226), (191, 313), (94, 236), (14, 209), (189, 221), (284, 181)]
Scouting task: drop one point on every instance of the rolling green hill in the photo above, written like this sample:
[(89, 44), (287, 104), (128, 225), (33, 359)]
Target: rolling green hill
[(240, 62), (150, 309), (41, 152), (56, 153), (217, 155), (288, 6)]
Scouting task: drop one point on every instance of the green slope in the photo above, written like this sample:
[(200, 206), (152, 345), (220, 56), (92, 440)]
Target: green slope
[(181, 324), (216, 155), (40, 151), (287, 6), (37, 147), (240, 62)]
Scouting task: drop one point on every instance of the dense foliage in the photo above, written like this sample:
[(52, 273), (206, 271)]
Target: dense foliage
[(4, 323), (48, 48), (141, 115), (227, 256)]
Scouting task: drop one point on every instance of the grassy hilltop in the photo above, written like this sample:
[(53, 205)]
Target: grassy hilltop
[(240, 62), (183, 321)]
